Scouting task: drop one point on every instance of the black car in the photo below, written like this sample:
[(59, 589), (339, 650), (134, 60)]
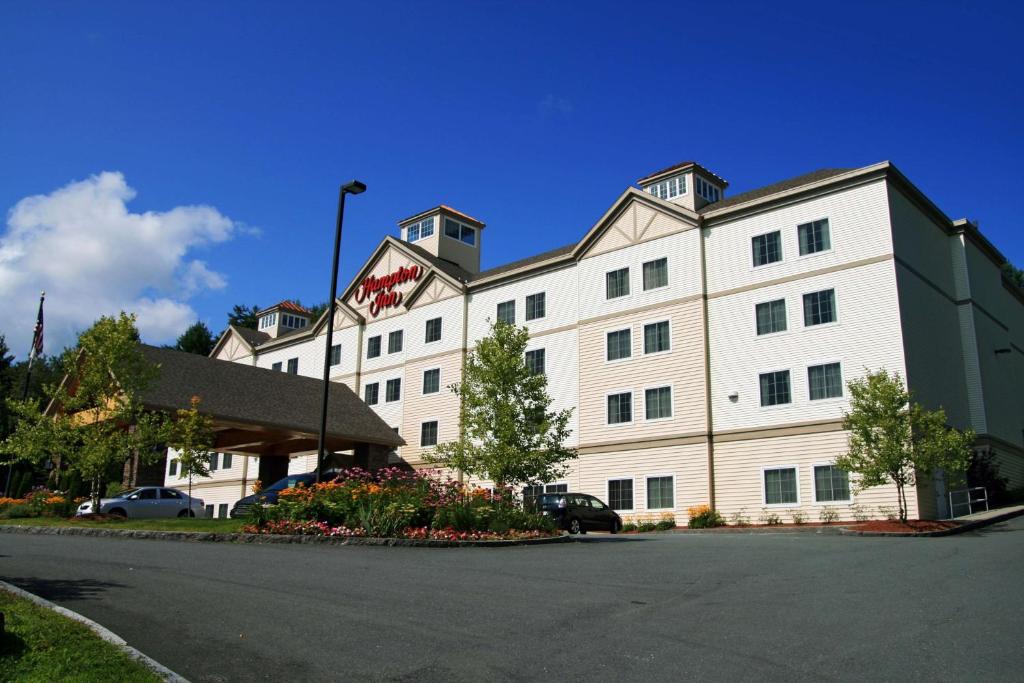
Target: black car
[(578, 513), (268, 496)]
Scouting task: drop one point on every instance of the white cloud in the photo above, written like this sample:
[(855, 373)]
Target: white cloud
[(94, 257)]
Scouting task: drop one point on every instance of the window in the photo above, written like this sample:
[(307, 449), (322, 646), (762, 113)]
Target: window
[(535, 361), (668, 189), (620, 344), (660, 494), (655, 274), (617, 283), (276, 366), (707, 190), (172, 468), (373, 347), (775, 388), (268, 320), (831, 484), (170, 494), (293, 321), (814, 237), (459, 231), (780, 486), (432, 381), (420, 230), (771, 316), (336, 354), (222, 510), (767, 248), (820, 307), (656, 337), (225, 463), (825, 381), (620, 494), (393, 390), (212, 459), (507, 312), (428, 433), (395, 341), (293, 366), (620, 408), (535, 304), (433, 330), (658, 403), (371, 394), (209, 511)]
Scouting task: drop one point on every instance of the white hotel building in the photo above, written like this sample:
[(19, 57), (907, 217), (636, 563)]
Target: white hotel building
[(703, 341)]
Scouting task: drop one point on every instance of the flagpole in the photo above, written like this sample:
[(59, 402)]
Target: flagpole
[(37, 348)]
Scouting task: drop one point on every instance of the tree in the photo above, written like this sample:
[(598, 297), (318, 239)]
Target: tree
[(192, 436), (196, 339), (893, 439), (244, 316), (317, 310), (101, 421), (1015, 274), (6, 386), (507, 432)]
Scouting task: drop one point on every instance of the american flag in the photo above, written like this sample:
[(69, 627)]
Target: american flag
[(37, 337)]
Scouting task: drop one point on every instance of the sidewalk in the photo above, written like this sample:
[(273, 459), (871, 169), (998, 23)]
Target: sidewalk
[(1008, 511)]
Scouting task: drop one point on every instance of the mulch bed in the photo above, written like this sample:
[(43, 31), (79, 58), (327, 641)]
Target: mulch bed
[(911, 526)]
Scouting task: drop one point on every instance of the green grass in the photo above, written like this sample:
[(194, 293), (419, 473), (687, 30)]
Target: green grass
[(219, 525), (40, 645)]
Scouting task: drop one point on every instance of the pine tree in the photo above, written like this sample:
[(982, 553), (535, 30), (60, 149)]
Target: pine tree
[(196, 339)]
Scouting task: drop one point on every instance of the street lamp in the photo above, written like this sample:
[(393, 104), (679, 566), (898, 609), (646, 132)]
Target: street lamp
[(351, 187)]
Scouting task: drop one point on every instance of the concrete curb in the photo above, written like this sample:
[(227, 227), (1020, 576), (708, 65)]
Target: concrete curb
[(104, 633), (963, 528), (212, 536)]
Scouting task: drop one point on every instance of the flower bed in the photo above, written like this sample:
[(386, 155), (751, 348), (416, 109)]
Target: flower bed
[(39, 502), (394, 503)]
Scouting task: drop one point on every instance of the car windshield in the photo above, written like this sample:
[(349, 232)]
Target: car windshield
[(290, 482), (546, 501)]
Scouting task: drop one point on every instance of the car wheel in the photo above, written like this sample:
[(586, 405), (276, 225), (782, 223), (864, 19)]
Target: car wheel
[(616, 527), (118, 512), (186, 513), (574, 526)]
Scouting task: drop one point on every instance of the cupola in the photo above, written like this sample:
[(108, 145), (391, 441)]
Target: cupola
[(688, 184), (283, 317), (447, 234)]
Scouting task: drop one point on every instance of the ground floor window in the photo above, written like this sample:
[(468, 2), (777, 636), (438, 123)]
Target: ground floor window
[(222, 510), (780, 486), (172, 470), (831, 484), (620, 494), (660, 494), (531, 491), (209, 511)]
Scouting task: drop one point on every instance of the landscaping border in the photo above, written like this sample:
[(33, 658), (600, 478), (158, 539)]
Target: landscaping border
[(216, 537), (101, 631), (963, 528)]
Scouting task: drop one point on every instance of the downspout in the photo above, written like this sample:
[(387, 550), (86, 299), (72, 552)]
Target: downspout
[(707, 365), (465, 353)]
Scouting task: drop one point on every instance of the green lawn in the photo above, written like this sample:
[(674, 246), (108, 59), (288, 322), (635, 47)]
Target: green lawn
[(40, 645), (219, 525)]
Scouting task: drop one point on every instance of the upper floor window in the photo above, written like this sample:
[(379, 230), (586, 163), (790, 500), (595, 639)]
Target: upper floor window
[(269, 320), (771, 316), (820, 307), (656, 337), (617, 283), (373, 347), (433, 330), (293, 321), (428, 433), (336, 354), (535, 361), (507, 312), (767, 248), (371, 394), (395, 341), (707, 190), (656, 274), (825, 381), (668, 189), (814, 237), (620, 408), (393, 390), (535, 306), (293, 366), (620, 344), (459, 231), (432, 381), (420, 230), (775, 388), (658, 403), (276, 366)]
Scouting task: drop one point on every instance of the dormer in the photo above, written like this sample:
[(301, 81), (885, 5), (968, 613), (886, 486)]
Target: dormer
[(447, 234), (688, 184), (283, 317)]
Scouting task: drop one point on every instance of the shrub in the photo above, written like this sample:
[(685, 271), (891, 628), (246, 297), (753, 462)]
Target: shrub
[(889, 512), (739, 518), (703, 517), (860, 513), (799, 516), (666, 523), (20, 511), (769, 518), (629, 526), (828, 514)]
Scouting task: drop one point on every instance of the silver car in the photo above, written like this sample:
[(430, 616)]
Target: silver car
[(147, 502)]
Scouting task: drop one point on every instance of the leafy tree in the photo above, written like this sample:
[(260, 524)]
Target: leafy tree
[(243, 316), (317, 310), (893, 439), (6, 386), (1015, 274), (192, 436), (507, 432), (196, 339)]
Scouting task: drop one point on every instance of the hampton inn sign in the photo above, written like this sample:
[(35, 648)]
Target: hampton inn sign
[(380, 288)]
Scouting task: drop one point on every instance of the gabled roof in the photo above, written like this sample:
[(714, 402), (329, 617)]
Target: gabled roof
[(251, 337), (632, 194), (444, 208), (287, 305), (455, 274), (682, 166)]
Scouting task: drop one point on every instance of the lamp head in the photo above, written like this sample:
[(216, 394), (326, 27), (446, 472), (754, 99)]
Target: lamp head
[(354, 187)]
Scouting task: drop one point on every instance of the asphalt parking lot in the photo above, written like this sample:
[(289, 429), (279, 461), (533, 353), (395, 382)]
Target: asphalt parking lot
[(738, 607)]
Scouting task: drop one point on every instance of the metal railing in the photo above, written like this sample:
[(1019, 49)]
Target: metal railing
[(967, 499)]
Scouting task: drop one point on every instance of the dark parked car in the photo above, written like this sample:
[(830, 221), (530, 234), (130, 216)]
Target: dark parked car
[(578, 513), (268, 496)]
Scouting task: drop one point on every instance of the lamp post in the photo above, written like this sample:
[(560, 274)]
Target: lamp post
[(351, 187)]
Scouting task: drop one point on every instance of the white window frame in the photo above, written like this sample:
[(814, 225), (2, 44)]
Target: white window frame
[(607, 492), (835, 307), (632, 338), (419, 229), (538, 348), (439, 337), (499, 304), (643, 337), (401, 350), (814, 487), (671, 400), (668, 277), (660, 475), (764, 492), (842, 382), (782, 251), (331, 352), (380, 348), (526, 306), (792, 389), (768, 335), (423, 390), (629, 279), (365, 386), (462, 226), (419, 438), (831, 242), (401, 390), (632, 408)]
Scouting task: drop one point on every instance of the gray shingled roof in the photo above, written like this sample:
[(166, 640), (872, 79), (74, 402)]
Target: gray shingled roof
[(544, 256), (781, 186), (449, 268), (254, 337), (235, 392)]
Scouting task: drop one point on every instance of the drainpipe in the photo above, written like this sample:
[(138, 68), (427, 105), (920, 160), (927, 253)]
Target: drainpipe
[(707, 366)]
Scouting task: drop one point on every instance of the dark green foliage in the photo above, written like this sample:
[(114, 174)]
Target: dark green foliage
[(18, 512), (984, 471), (665, 525), (243, 316), (196, 339), (317, 310), (706, 519), (1015, 275), (629, 526), (24, 484)]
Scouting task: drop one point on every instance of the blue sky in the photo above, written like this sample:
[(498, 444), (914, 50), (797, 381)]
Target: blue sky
[(532, 116)]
